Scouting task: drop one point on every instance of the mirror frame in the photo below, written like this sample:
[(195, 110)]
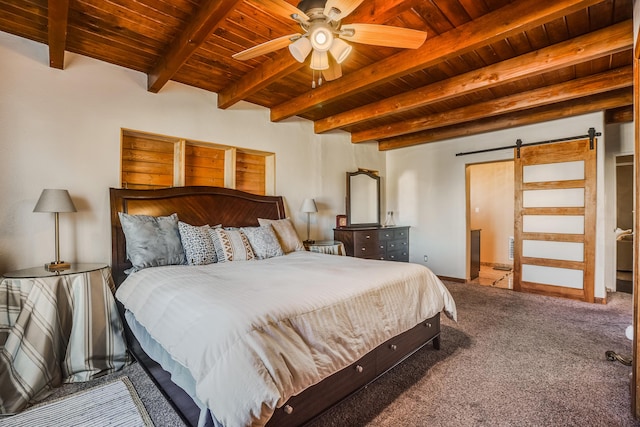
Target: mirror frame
[(376, 182)]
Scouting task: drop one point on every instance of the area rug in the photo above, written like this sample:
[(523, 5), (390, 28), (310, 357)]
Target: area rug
[(113, 404)]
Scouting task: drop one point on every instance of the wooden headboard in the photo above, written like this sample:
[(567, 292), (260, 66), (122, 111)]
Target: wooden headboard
[(194, 205)]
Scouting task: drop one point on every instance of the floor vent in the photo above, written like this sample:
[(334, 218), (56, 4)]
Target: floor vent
[(511, 245)]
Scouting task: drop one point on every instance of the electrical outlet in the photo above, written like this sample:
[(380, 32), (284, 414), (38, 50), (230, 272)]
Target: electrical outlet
[(426, 258)]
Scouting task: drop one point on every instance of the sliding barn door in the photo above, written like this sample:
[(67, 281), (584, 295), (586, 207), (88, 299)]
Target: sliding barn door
[(555, 210)]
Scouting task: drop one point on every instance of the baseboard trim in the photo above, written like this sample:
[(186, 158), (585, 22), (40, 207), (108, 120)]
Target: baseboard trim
[(452, 279)]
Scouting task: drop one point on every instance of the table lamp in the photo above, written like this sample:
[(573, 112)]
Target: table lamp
[(309, 207), (55, 201)]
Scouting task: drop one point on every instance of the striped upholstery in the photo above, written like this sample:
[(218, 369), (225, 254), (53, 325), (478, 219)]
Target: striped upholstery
[(114, 404), (56, 329)]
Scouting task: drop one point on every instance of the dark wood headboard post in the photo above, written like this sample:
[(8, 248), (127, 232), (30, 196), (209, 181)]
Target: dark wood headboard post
[(194, 205)]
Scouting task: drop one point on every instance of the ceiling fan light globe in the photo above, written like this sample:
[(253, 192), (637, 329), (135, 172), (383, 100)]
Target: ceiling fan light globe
[(340, 50), (300, 49), (319, 60), (321, 38)]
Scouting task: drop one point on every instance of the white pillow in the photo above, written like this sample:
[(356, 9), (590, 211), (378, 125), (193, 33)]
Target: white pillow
[(287, 236), (231, 245)]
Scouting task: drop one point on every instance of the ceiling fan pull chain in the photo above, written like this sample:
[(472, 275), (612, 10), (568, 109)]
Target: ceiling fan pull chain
[(313, 79)]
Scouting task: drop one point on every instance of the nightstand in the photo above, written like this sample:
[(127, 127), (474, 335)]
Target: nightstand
[(333, 247), (57, 327)]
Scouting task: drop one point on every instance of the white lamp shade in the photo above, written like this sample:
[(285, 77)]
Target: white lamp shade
[(300, 49), (54, 201), (319, 60), (321, 38), (340, 50), (309, 206)]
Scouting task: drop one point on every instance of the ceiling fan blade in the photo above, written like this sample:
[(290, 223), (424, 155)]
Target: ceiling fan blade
[(345, 7), (383, 35), (333, 72), (266, 47), (282, 8)]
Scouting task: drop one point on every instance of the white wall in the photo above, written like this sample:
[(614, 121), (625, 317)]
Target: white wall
[(426, 187), (61, 129)]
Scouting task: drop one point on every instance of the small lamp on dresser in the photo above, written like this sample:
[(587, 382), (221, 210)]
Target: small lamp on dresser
[(309, 207), (56, 201)]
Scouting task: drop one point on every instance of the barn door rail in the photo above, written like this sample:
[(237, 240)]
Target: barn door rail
[(591, 135)]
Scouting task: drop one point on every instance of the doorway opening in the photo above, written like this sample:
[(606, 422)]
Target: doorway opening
[(490, 223), (624, 223)]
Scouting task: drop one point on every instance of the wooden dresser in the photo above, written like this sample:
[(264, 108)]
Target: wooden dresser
[(390, 243)]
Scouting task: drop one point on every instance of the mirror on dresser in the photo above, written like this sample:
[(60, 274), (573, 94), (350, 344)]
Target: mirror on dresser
[(363, 199), (364, 236)]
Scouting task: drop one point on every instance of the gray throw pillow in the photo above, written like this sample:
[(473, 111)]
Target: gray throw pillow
[(197, 244), (152, 241), (263, 241)]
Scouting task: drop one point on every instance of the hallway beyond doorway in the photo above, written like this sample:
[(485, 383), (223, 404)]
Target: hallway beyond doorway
[(489, 276)]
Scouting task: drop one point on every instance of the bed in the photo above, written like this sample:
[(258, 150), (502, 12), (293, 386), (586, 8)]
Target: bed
[(286, 337)]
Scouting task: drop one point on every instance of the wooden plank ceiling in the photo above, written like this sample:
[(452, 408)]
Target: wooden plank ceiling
[(486, 64)]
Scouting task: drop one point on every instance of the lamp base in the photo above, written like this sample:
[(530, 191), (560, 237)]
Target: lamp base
[(57, 266)]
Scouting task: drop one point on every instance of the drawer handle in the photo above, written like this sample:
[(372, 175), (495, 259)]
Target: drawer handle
[(427, 324), (367, 237), (393, 347), (359, 369), (381, 246), (363, 249), (387, 235), (288, 409)]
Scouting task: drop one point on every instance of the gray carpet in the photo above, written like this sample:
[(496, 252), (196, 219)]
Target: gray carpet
[(512, 359)]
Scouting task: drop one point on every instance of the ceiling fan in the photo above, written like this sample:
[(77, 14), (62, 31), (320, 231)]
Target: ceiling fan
[(324, 33)]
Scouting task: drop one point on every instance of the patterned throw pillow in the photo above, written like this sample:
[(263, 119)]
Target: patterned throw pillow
[(231, 245), (287, 236), (263, 241), (197, 243), (152, 241)]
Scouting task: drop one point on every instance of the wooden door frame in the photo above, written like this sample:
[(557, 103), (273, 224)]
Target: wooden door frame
[(635, 392)]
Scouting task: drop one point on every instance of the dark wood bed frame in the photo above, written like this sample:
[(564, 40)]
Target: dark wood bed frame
[(214, 205)]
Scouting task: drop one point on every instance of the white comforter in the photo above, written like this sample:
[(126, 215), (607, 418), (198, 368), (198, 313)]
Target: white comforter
[(254, 333)]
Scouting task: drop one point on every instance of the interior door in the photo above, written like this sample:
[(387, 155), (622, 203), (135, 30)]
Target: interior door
[(555, 209)]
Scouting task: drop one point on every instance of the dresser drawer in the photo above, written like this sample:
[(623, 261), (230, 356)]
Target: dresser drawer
[(387, 234), (336, 388), (389, 353), (365, 237), (366, 244), (401, 233), (400, 255), (397, 245)]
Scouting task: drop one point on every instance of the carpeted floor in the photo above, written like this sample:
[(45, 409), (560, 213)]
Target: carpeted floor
[(512, 359)]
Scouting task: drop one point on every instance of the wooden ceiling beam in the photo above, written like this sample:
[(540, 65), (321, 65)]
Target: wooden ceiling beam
[(505, 22), (260, 77), (619, 115), (576, 107), (58, 15), (608, 41), (578, 88), (210, 15)]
